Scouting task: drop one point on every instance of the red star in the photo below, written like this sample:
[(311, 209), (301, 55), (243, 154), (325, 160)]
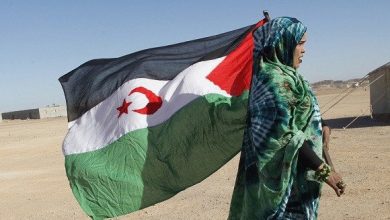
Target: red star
[(123, 109)]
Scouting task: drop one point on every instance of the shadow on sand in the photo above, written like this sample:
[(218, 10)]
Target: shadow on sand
[(361, 122)]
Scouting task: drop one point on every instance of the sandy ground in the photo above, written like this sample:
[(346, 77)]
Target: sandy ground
[(33, 184)]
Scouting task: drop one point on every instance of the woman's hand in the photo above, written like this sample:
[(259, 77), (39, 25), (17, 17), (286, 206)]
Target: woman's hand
[(336, 182)]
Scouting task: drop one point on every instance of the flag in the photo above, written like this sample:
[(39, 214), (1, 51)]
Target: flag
[(150, 124)]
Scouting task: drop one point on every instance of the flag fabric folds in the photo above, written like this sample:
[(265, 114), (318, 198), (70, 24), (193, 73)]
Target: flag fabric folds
[(148, 125)]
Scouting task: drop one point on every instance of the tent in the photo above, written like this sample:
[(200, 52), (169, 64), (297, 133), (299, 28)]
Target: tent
[(380, 92)]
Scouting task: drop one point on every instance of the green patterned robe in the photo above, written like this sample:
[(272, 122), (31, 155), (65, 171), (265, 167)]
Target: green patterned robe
[(283, 113)]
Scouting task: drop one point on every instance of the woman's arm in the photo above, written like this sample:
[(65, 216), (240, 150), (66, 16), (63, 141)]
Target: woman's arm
[(307, 158), (326, 131), (310, 160), (324, 172)]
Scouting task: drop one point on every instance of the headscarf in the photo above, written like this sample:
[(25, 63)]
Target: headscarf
[(277, 39)]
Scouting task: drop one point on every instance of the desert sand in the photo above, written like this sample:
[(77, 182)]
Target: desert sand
[(33, 184)]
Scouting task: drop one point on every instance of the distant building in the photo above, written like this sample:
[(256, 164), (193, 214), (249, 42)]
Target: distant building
[(324, 84), (37, 113), (380, 92)]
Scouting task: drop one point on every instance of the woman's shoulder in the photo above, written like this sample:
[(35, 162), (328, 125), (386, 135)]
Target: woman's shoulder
[(271, 69), (272, 73)]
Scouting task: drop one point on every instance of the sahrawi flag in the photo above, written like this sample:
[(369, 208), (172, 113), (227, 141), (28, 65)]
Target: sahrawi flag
[(147, 125)]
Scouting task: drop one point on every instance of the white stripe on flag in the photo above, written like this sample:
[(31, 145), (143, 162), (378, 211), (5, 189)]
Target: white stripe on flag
[(101, 126)]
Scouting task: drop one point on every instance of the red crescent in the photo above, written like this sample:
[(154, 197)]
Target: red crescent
[(155, 102)]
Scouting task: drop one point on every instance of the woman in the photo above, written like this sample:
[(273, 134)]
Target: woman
[(281, 167)]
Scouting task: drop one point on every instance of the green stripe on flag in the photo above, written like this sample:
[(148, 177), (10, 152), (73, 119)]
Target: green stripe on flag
[(150, 165)]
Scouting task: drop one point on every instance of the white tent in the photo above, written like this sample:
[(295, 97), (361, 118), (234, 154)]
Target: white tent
[(380, 92)]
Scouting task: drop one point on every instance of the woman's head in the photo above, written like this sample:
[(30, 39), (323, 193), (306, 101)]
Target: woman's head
[(281, 40)]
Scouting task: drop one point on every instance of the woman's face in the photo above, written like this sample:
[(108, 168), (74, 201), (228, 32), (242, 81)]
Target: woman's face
[(298, 52)]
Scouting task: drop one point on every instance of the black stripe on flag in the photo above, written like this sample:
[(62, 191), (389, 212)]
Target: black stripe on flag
[(95, 80)]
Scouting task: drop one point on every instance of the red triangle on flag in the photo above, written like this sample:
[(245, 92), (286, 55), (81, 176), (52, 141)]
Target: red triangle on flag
[(234, 74)]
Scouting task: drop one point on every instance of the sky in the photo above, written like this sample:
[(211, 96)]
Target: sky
[(43, 40)]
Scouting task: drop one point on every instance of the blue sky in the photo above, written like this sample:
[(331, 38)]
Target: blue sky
[(42, 40)]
